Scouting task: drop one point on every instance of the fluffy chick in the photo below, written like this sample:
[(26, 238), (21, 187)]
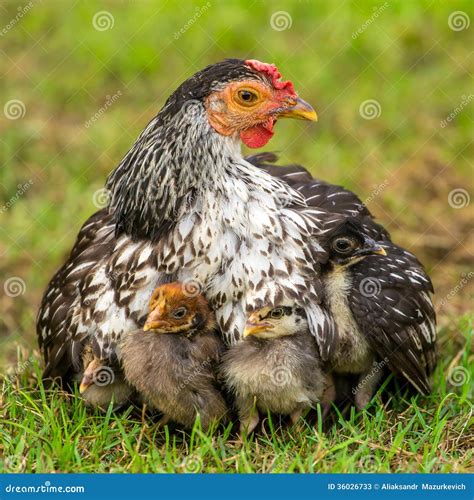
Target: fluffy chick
[(276, 367), (347, 245), (101, 384), (171, 362)]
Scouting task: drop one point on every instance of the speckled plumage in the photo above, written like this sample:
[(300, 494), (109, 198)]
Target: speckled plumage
[(394, 318), (184, 205)]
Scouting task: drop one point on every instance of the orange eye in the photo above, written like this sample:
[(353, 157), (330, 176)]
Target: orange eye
[(246, 97)]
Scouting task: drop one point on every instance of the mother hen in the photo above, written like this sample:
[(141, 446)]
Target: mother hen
[(185, 205)]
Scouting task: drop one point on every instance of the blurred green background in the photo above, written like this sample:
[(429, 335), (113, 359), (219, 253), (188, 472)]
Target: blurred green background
[(80, 80)]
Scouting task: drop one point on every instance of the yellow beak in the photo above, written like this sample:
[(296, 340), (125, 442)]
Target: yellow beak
[(253, 328), (86, 382), (301, 111), (380, 251)]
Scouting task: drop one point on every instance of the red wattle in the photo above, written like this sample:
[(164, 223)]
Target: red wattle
[(256, 137)]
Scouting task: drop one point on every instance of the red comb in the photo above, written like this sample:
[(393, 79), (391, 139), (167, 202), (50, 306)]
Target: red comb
[(272, 71)]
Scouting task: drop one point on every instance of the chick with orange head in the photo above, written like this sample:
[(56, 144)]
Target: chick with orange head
[(172, 360)]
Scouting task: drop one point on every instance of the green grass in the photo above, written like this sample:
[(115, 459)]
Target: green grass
[(45, 431), (404, 163)]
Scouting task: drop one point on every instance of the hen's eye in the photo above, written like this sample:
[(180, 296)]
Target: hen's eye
[(179, 313), (343, 245), (276, 313), (246, 97)]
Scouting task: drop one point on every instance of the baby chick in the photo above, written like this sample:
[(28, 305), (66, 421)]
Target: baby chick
[(275, 367), (347, 245), (379, 298), (102, 384), (171, 361)]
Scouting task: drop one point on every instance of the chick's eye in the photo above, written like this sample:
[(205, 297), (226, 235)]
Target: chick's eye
[(276, 313), (179, 313), (344, 245), (246, 97)]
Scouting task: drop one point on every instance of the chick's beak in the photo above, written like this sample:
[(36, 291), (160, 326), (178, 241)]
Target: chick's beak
[(301, 110), (252, 327), (154, 320), (371, 247), (86, 382)]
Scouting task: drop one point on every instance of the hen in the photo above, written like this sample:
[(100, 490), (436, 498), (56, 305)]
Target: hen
[(185, 205)]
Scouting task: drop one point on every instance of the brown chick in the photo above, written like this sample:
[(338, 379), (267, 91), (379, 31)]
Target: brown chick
[(171, 361), (101, 384), (276, 367)]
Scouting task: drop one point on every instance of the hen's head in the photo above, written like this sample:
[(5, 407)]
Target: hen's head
[(347, 244), (275, 322), (174, 309), (243, 98)]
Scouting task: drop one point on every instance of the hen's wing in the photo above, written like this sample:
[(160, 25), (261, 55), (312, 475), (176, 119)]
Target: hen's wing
[(55, 320)]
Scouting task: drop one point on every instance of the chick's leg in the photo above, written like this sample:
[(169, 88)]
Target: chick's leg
[(367, 386), (248, 414)]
